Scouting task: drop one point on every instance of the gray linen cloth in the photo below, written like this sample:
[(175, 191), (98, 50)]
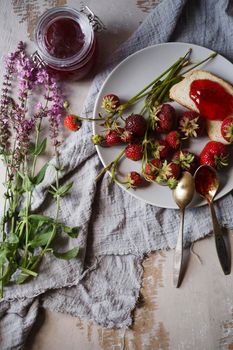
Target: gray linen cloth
[(116, 229)]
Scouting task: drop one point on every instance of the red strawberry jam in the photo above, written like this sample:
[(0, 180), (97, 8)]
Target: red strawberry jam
[(205, 180), (211, 99), (66, 42), (64, 38)]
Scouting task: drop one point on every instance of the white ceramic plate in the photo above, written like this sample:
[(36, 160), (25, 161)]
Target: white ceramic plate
[(133, 74)]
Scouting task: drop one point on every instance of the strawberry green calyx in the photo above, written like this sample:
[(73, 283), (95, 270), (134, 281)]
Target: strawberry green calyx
[(134, 180), (189, 127), (172, 183), (153, 115), (110, 103), (97, 139), (127, 136), (227, 130), (229, 133), (151, 169), (185, 159), (169, 174), (221, 161), (157, 149), (159, 180), (164, 172)]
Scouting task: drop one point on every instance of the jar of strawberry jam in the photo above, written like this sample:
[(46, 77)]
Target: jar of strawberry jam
[(66, 42)]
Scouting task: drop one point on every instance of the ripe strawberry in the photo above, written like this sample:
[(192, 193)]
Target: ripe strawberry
[(215, 154), (163, 120), (112, 138), (161, 149), (173, 138), (72, 122), (187, 160), (152, 169), (227, 129), (134, 151), (136, 124), (134, 180), (110, 103), (191, 124)]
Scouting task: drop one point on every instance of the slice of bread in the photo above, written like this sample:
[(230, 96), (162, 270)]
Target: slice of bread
[(180, 93)]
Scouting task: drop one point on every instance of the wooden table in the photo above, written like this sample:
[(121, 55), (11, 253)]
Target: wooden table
[(199, 315)]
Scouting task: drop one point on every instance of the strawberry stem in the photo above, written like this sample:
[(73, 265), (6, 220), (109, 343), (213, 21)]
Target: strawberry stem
[(111, 166), (213, 55), (175, 65)]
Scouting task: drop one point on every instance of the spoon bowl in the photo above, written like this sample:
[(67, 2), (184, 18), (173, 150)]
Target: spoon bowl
[(207, 184), (182, 194)]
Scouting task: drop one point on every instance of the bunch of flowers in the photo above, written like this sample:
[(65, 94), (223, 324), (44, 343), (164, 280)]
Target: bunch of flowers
[(26, 236)]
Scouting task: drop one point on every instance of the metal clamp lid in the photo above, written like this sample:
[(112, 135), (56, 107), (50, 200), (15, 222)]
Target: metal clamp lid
[(96, 23)]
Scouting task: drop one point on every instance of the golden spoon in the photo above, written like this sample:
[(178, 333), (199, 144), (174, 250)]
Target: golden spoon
[(182, 194)]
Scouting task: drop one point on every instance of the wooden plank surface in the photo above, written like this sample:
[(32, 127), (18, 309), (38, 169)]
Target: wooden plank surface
[(199, 315)]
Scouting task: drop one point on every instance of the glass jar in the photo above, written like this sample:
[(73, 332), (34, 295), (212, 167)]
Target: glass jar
[(66, 42)]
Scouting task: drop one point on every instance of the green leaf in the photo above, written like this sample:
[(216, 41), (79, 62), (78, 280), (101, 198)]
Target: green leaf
[(40, 148), (12, 267), (27, 184), (12, 239), (40, 176), (22, 278), (37, 217), (31, 148), (63, 190), (69, 254), (41, 239), (71, 231)]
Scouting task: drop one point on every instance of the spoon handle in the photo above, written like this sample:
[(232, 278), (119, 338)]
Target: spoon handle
[(221, 248), (178, 257)]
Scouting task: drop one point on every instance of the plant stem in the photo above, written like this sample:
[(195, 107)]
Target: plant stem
[(38, 129), (26, 219), (3, 230), (14, 203), (5, 204), (213, 55), (110, 165), (56, 215), (181, 59)]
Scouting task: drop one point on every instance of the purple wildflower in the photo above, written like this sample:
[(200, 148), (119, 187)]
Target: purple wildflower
[(42, 76), (29, 76), (55, 111), (23, 127), (39, 106), (5, 102)]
